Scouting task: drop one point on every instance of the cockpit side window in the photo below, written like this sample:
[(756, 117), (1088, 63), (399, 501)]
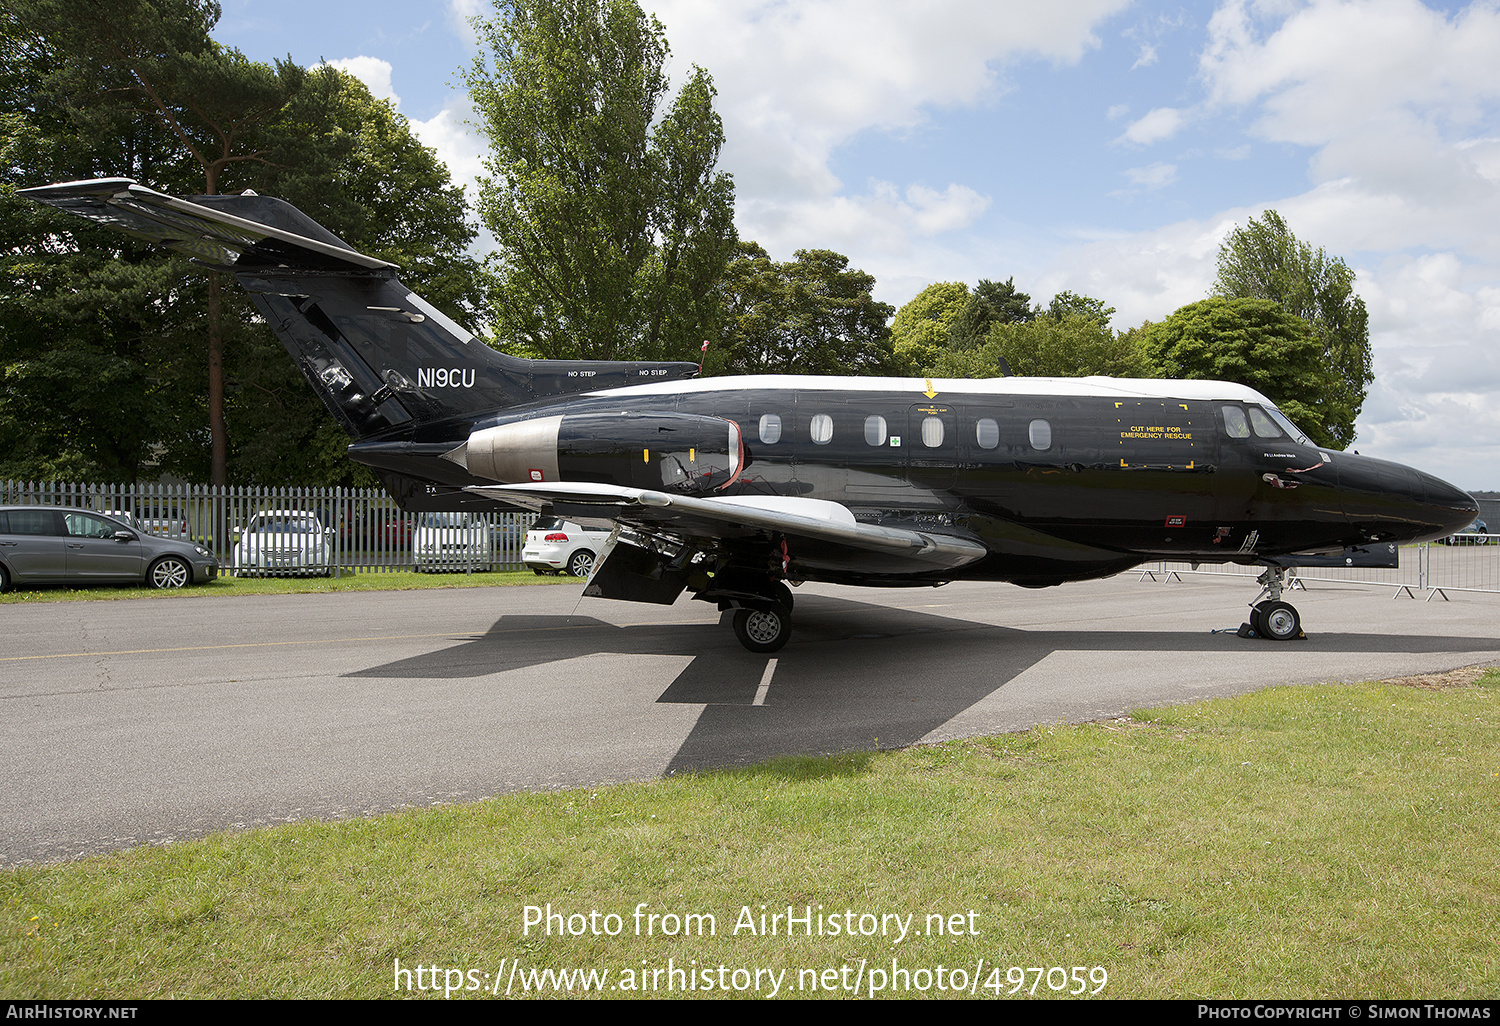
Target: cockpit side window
[(1235, 422), (1264, 426)]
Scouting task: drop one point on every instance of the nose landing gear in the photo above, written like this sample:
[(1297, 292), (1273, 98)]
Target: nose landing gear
[(1270, 617)]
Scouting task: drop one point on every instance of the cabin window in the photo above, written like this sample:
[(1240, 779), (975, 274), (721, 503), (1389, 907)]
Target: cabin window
[(1235, 422), (875, 430), (932, 432), (1041, 434), (770, 428), (1264, 426), (986, 433), (822, 428)]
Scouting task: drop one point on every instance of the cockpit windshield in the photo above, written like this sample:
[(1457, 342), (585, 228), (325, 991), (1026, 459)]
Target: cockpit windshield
[(1287, 426)]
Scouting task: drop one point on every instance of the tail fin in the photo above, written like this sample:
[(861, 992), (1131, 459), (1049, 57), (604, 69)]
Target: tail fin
[(383, 360)]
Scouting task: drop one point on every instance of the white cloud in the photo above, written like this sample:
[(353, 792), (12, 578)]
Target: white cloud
[(460, 12), (1146, 57), (1393, 97), (457, 144), (1156, 125), (790, 97), (1153, 176), (374, 73)]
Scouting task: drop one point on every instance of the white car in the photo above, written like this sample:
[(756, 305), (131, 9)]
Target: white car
[(450, 541), (553, 545), (283, 542)]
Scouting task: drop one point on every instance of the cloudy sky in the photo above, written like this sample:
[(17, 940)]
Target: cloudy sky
[(1101, 146)]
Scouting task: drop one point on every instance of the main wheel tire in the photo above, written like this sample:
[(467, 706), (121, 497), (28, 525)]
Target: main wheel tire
[(1278, 621), (581, 563), (763, 630), (784, 595), (170, 573)]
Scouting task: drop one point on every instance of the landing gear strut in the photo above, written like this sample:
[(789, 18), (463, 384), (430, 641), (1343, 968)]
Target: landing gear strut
[(1272, 618)]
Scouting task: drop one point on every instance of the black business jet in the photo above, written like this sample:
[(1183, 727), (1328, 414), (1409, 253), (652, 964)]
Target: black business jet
[(733, 488)]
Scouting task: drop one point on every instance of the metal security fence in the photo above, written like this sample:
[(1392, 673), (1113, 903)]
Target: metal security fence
[(1466, 562), (281, 531)]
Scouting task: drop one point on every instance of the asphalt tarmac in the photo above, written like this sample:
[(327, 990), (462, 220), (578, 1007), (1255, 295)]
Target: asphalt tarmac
[(146, 721)]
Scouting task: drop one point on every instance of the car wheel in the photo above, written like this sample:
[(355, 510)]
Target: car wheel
[(581, 563), (762, 630), (4, 579), (170, 573)]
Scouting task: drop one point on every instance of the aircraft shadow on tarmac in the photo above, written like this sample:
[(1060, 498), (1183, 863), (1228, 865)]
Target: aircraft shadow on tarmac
[(855, 675)]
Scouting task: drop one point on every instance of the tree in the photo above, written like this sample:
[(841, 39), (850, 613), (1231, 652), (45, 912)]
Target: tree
[(1066, 346), (1255, 342), (1066, 303), (157, 62), (612, 224), (991, 303), (812, 315), (81, 323), (1264, 260), (923, 326), (101, 336)]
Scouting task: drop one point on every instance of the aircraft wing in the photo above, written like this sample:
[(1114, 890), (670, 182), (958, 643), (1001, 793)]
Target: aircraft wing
[(819, 535), (214, 229)]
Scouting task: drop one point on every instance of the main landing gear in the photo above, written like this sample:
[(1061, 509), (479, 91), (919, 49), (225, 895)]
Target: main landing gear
[(762, 611), (1270, 617)]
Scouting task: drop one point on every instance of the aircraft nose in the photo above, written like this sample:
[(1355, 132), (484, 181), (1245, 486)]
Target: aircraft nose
[(1391, 502), (1452, 509)]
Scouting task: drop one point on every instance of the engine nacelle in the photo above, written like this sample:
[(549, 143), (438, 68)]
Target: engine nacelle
[(661, 451)]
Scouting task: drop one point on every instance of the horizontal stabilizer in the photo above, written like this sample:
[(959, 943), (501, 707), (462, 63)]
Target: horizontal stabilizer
[(231, 232)]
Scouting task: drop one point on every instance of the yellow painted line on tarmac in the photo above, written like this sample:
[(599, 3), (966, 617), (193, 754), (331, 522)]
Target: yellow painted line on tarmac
[(455, 635), (215, 648)]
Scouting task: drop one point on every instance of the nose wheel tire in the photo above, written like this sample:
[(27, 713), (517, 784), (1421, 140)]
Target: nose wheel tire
[(762, 630), (1277, 621)]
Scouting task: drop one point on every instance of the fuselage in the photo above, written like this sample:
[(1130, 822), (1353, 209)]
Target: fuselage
[(1062, 479)]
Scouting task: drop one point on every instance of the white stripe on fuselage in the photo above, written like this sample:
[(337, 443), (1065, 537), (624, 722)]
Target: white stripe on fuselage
[(1097, 387)]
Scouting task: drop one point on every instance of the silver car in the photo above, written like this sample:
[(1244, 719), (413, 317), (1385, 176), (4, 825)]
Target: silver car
[(59, 545)]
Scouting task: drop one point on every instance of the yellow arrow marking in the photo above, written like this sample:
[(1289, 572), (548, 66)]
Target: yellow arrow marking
[(931, 392)]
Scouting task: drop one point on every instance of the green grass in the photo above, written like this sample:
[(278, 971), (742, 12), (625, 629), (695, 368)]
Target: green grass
[(392, 581), (1335, 841)]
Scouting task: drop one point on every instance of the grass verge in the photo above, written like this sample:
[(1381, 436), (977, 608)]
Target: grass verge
[(1333, 841), (221, 586)]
